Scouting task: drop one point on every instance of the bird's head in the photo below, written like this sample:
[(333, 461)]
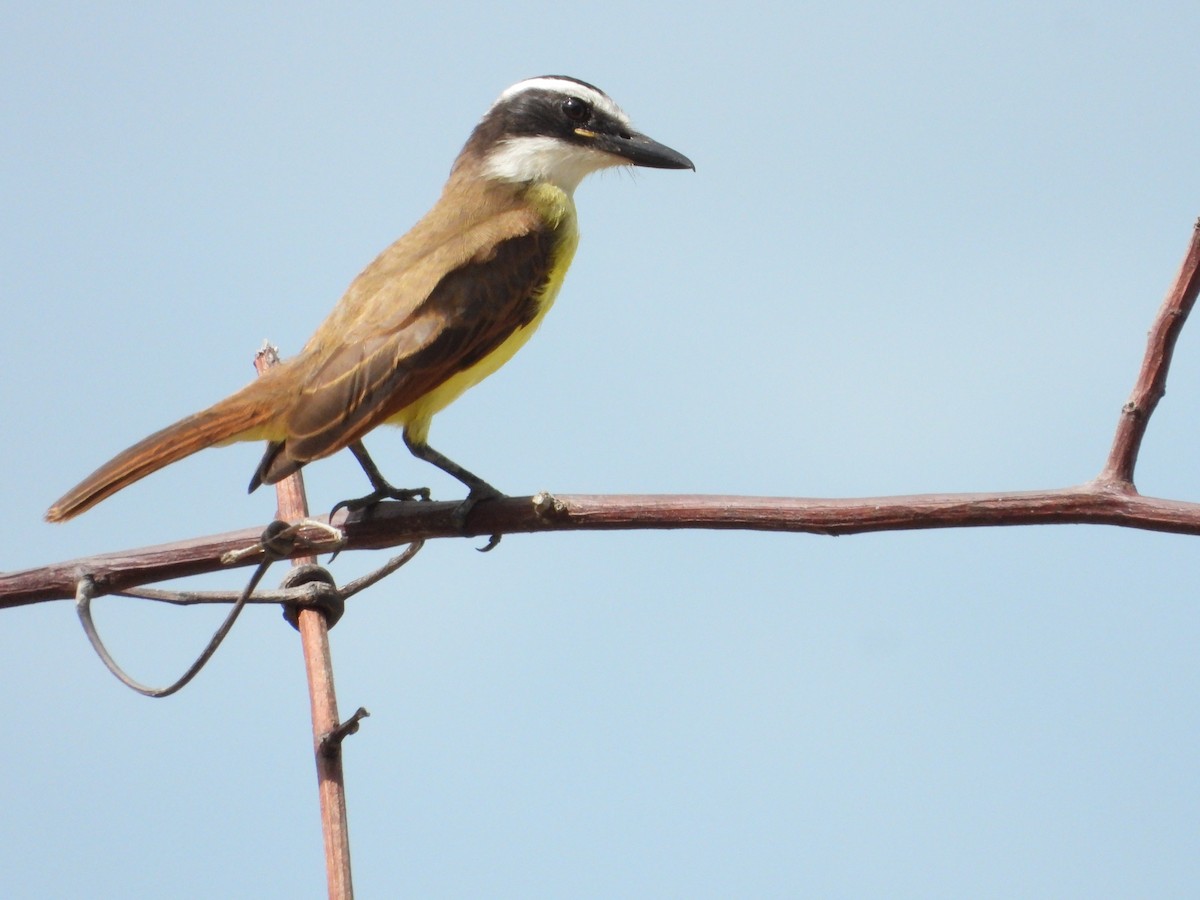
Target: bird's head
[(557, 129)]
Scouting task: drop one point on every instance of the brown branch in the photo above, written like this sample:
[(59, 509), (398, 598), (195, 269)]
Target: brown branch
[(318, 666), (1110, 499), (397, 523)]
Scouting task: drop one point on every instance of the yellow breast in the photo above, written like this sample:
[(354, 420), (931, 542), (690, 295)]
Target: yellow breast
[(557, 208)]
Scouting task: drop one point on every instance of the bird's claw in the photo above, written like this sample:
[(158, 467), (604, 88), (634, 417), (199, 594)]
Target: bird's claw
[(459, 516), (376, 497)]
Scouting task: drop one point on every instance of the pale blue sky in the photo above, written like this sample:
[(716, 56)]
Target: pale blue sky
[(920, 253)]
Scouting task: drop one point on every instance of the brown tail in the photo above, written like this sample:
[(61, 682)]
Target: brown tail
[(243, 413)]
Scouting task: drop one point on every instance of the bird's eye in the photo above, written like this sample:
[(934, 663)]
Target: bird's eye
[(576, 110)]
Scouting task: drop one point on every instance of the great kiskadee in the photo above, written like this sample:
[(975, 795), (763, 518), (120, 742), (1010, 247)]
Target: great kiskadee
[(439, 310)]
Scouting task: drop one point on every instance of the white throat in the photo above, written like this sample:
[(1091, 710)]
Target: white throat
[(545, 159)]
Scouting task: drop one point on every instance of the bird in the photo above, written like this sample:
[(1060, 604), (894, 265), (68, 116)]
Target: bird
[(434, 314)]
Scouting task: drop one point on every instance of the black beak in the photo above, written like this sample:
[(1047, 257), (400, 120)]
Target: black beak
[(638, 150)]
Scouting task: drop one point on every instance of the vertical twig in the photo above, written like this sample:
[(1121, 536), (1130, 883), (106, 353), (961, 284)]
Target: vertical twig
[(1151, 382), (314, 637)]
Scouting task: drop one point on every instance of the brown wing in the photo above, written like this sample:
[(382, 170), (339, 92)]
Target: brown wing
[(382, 369)]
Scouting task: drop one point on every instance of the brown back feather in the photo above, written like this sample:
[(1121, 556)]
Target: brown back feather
[(470, 312)]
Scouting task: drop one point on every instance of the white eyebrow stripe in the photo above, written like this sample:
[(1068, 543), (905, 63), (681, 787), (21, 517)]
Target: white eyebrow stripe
[(565, 86)]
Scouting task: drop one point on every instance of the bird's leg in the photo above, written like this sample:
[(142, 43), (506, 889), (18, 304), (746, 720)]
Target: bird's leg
[(478, 488), (382, 489), (381, 485)]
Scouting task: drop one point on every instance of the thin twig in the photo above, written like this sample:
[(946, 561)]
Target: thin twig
[(371, 578), (309, 594), (1151, 382), (84, 595), (331, 743)]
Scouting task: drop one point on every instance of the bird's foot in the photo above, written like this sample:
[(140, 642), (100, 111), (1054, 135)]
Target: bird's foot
[(377, 496), (382, 492), (479, 492)]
